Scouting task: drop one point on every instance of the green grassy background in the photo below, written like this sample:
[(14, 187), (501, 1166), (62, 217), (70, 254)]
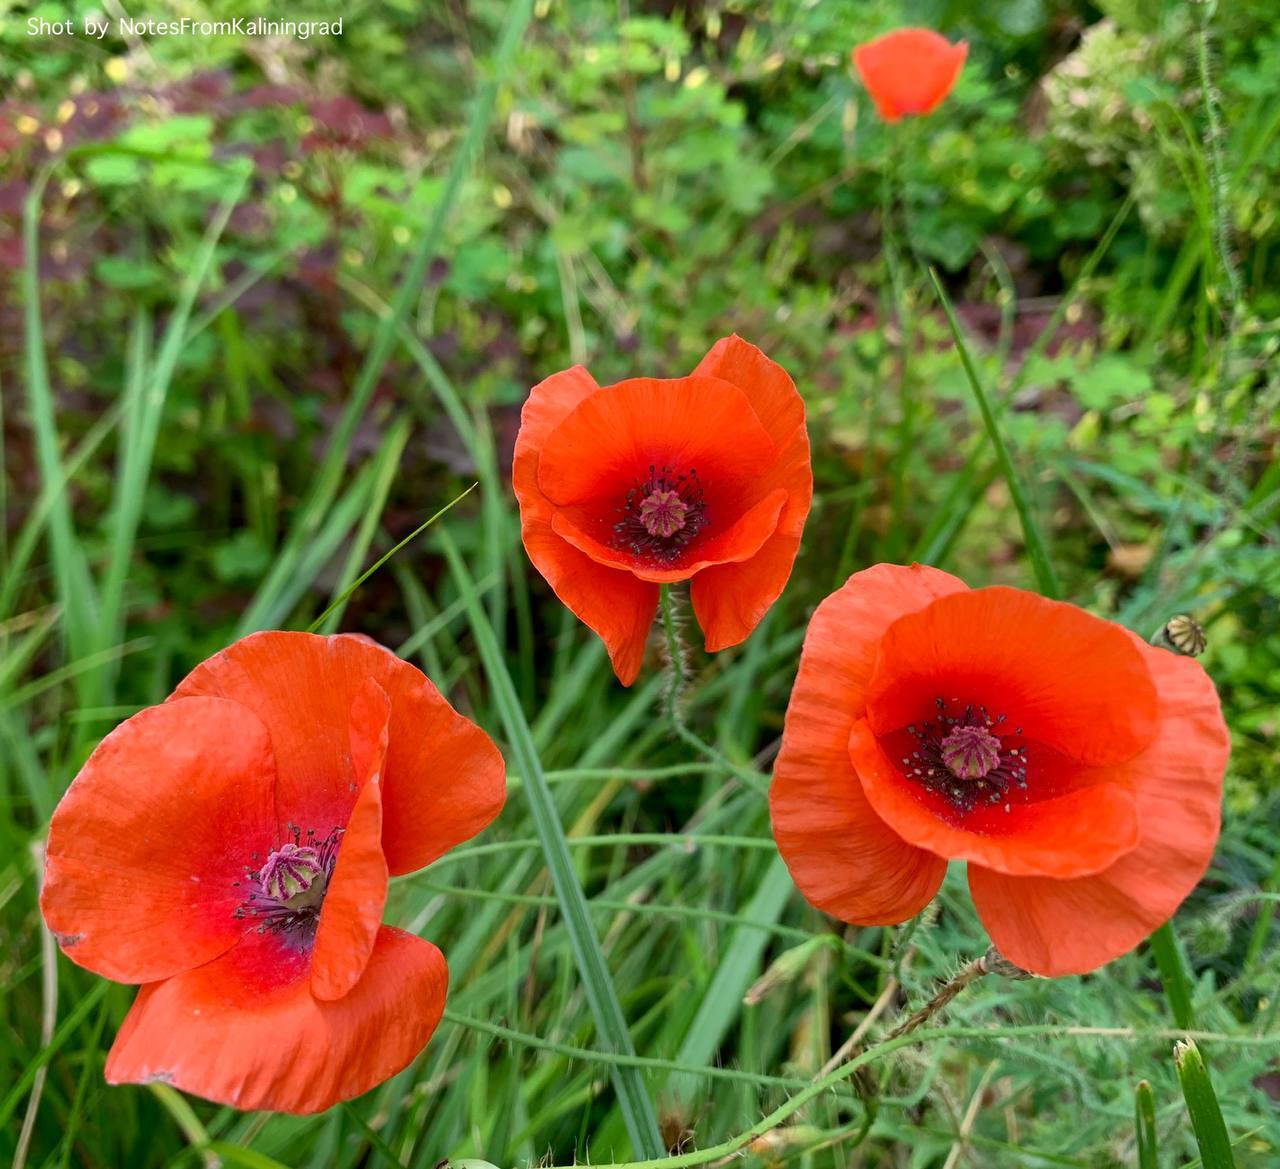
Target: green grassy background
[(264, 307)]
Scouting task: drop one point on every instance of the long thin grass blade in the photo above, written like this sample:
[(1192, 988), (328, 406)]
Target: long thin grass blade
[(329, 474), (1173, 973), (611, 1026), (1046, 577), (737, 969), (147, 400), (346, 593), (384, 467), (75, 587), (1144, 1107), (1202, 1105)]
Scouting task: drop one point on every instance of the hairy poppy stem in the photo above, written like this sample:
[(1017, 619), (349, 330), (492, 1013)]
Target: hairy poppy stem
[(677, 682), (992, 962)]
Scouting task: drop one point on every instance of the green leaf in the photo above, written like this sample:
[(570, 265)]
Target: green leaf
[(163, 136), (242, 557), (1144, 1106), (736, 970), (1173, 973), (1110, 380), (1202, 1104), (119, 272), (113, 170)]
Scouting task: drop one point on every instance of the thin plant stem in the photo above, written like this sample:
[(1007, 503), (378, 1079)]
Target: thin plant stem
[(673, 697), (969, 973), (48, 1017), (346, 594), (1046, 577)]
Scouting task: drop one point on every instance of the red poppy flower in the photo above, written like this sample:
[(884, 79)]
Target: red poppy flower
[(230, 849), (909, 70), (1077, 769), (650, 481)]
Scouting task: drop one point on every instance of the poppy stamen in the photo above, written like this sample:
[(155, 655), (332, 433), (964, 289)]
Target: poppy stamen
[(661, 515), (964, 758), (287, 891)]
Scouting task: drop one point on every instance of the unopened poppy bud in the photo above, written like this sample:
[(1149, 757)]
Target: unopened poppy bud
[(785, 968), (1183, 635)]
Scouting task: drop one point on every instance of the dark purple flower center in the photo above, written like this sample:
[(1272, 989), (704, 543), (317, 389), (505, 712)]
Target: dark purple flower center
[(964, 758), (661, 515), (970, 752), (285, 893)]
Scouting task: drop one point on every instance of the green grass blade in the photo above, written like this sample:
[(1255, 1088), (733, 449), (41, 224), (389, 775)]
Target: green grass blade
[(1173, 973), (1144, 1107), (383, 470), (16, 657), (1046, 577), (479, 444), (70, 566), (969, 485), (736, 970), (60, 1036), (238, 1155), (276, 597), (611, 1026), (23, 548), (1202, 1105), (346, 594), (147, 394), (328, 475)]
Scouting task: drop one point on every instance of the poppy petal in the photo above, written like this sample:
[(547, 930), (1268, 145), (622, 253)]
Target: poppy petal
[(1073, 834), (1071, 680), (909, 70), (767, 386), (246, 1031), (1071, 927), (739, 541), (617, 606), (598, 451), (443, 780), (730, 600), (357, 891), (841, 854), (147, 846)]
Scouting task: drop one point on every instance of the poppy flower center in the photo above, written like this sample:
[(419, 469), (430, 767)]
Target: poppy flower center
[(970, 752), (964, 758), (661, 514), (286, 892)]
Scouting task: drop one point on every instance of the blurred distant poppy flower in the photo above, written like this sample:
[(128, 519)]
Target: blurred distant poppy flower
[(1077, 769), (230, 849), (909, 70), (650, 481)]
